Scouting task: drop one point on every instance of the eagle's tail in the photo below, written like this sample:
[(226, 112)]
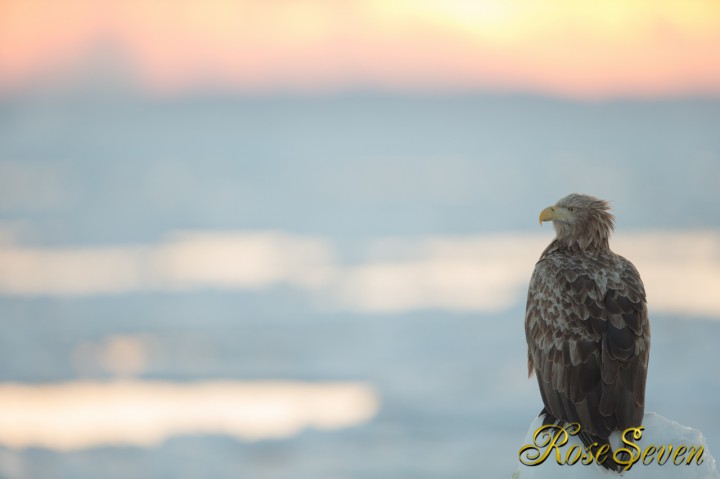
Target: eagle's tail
[(588, 440)]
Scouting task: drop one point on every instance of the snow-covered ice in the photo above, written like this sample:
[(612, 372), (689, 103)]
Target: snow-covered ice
[(658, 463)]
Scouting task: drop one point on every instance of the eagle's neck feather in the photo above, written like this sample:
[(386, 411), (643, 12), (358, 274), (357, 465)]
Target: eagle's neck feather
[(592, 237), (580, 247)]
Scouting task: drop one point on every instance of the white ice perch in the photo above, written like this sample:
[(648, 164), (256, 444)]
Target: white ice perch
[(665, 450)]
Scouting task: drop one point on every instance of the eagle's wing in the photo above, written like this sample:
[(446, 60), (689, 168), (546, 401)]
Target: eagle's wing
[(588, 341)]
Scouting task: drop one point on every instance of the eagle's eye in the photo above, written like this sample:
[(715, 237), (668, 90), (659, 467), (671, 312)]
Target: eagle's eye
[(572, 209)]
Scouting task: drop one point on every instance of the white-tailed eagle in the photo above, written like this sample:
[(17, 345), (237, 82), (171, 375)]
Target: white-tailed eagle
[(586, 325)]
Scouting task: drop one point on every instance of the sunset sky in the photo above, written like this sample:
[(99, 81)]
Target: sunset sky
[(566, 47)]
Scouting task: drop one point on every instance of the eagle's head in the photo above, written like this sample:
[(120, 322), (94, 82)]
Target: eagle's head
[(580, 220)]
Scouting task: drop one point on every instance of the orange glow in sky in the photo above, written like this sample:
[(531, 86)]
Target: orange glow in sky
[(568, 47)]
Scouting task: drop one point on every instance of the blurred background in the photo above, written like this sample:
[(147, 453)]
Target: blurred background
[(292, 239)]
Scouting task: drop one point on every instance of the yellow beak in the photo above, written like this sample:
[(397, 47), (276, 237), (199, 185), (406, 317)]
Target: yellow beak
[(548, 214)]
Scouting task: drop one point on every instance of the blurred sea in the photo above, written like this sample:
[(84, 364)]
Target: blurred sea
[(368, 174)]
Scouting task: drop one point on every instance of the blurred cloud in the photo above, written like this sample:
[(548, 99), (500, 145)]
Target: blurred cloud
[(121, 355), (487, 273), (561, 46), (242, 260), (186, 261), (76, 415), (681, 270)]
